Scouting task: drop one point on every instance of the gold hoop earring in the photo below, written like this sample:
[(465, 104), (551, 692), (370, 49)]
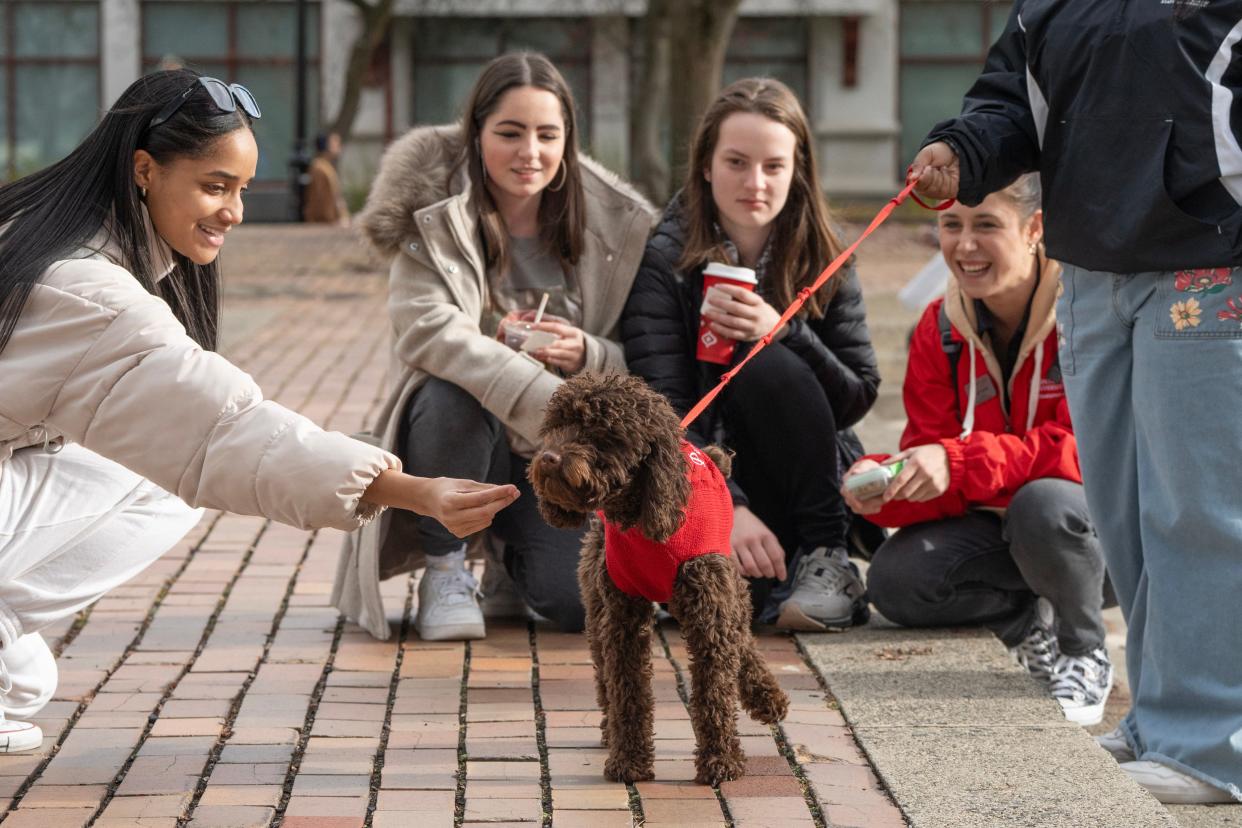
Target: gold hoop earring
[(565, 177)]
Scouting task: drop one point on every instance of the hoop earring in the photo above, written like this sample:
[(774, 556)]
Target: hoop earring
[(564, 177)]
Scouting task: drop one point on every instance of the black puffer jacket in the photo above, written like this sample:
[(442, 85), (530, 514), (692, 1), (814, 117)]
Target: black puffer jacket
[(660, 323)]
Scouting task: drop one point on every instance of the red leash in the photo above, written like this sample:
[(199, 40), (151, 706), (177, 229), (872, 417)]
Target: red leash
[(806, 293)]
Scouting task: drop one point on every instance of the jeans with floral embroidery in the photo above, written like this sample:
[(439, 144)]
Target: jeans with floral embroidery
[(1152, 363)]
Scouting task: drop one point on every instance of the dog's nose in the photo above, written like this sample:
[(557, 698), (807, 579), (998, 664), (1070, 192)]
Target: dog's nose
[(549, 458)]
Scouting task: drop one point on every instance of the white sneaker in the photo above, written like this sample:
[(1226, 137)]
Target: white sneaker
[(448, 602), (500, 594), (1081, 685), (1172, 787), (828, 594), (1038, 651), (19, 736), (1115, 743)]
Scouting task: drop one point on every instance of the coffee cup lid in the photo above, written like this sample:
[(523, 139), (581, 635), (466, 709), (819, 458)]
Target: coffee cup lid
[(737, 274)]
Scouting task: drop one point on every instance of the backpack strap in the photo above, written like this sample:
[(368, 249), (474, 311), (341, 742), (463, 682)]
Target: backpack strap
[(953, 350)]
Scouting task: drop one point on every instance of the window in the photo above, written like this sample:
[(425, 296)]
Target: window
[(450, 52), (943, 47), (774, 47), (49, 81), (253, 44)]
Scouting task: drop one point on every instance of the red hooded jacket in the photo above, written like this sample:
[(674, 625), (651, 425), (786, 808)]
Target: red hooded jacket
[(996, 451)]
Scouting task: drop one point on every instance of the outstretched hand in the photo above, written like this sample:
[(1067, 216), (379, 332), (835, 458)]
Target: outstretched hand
[(463, 506)]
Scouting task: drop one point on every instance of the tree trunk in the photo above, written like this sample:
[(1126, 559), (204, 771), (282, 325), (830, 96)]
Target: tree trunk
[(700, 38), (651, 170), (376, 23)]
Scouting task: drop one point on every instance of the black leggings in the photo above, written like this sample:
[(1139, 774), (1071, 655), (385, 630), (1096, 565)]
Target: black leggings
[(781, 424)]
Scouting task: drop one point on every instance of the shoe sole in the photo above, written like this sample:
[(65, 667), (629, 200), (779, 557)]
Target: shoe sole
[(793, 618), (452, 632), (1085, 716), (21, 740)]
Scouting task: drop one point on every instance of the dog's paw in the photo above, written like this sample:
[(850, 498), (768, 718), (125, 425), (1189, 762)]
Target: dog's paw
[(619, 769), (770, 708), (712, 770)]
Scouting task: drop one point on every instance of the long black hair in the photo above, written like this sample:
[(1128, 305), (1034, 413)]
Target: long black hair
[(55, 212)]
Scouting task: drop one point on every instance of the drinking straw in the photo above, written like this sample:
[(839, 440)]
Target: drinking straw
[(543, 303)]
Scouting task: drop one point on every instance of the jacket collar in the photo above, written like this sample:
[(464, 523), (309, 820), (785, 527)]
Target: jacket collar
[(1042, 319), (163, 262)]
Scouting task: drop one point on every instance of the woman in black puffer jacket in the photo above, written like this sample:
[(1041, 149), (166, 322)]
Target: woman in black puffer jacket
[(754, 201)]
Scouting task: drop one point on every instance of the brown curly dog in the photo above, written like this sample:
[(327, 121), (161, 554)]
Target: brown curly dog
[(611, 445)]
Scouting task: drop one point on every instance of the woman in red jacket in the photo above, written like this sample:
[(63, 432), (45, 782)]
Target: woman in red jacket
[(990, 498)]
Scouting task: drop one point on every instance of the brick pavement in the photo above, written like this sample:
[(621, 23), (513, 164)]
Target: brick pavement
[(219, 688)]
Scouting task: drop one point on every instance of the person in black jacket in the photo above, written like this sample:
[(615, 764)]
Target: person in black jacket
[(1129, 113), (752, 199)]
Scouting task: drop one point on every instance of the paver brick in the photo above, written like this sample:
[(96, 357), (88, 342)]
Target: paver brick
[(495, 810), (50, 817), (232, 816), (570, 818), (141, 807), (255, 795), (64, 796)]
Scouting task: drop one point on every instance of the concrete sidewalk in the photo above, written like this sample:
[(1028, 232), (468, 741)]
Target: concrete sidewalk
[(219, 688)]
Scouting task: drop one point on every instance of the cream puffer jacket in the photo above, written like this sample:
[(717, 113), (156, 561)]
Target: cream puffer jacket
[(97, 360)]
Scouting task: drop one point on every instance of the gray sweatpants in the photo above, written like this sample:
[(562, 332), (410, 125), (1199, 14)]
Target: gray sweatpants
[(982, 568), (448, 433)]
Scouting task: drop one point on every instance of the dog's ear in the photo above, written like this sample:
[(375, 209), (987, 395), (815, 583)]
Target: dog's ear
[(722, 457), (663, 488), (560, 518)]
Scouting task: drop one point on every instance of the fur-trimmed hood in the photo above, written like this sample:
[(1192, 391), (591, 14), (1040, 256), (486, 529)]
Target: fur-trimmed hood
[(417, 170)]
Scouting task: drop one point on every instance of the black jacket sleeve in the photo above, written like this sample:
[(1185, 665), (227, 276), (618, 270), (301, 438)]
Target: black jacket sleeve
[(838, 350), (655, 332), (995, 137)]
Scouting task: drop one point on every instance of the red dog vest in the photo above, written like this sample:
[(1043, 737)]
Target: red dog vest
[(642, 567)]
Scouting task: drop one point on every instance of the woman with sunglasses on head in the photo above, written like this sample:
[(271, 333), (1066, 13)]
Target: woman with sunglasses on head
[(116, 417), (481, 220), (752, 198)]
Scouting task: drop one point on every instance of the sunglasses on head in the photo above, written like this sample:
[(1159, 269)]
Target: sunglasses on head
[(226, 96)]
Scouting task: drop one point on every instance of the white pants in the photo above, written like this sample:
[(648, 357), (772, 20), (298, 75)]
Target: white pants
[(73, 525)]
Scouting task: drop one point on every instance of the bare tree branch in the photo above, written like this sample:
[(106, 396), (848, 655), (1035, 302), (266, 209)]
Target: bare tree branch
[(651, 171), (700, 38)]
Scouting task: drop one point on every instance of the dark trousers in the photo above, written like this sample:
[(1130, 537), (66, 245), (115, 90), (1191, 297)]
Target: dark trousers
[(984, 569), (447, 433), (781, 424)]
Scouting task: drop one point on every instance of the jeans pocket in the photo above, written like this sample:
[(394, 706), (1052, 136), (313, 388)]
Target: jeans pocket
[(1065, 321), (1205, 303)]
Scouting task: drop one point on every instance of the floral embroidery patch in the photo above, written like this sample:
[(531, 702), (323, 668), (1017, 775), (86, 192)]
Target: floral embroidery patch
[(1203, 280), (1185, 314), (1234, 312)]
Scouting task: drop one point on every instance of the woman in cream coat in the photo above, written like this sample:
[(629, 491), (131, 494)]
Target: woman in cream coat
[(114, 411), (480, 220)]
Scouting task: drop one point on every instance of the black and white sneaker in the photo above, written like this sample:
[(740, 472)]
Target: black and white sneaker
[(1038, 651), (1081, 685)]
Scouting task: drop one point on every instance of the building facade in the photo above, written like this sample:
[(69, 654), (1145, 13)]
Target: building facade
[(873, 74)]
